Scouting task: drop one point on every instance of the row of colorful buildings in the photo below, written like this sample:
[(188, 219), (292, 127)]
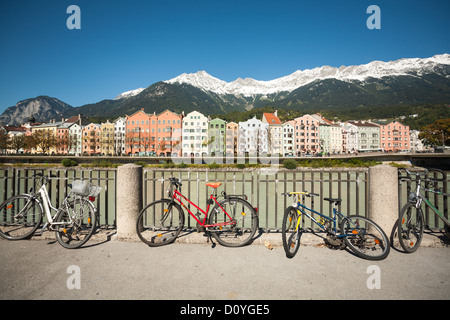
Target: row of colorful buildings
[(195, 134)]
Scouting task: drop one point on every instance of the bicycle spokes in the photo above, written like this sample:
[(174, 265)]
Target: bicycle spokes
[(411, 229), (160, 223), (365, 238), (20, 216), (233, 223)]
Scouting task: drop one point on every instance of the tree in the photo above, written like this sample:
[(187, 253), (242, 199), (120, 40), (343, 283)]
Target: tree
[(44, 140), (4, 140), (17, 142), (436, 134), (93, 142), (162, 146), (74, 143), (62, 142)]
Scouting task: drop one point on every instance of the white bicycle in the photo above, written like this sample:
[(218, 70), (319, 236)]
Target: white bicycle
[(74, 222)]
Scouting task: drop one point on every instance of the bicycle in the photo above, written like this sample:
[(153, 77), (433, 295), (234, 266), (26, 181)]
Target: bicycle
[(73, 223), (363, 236), (232, 221), (411, 222)]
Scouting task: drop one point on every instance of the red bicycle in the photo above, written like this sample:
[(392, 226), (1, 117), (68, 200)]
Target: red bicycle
[(232, 221)]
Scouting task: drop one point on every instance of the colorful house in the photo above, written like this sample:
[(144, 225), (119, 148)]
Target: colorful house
[(395, 136), (91, 144)]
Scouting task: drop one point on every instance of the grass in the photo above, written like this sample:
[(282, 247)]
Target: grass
[(290, 164)]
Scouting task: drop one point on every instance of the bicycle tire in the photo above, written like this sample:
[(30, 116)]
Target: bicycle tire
[(410, 228), (24, 226), (290, 236), (237, 234), (83, 226), (365, 238), (168, 230)]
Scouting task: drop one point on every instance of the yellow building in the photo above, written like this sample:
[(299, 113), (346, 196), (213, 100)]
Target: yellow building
[(45, 137), (107, 138)]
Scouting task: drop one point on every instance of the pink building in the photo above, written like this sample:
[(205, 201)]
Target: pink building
[(168, 133), (306, 135), (153, 134), (91, 139), (394, 137)]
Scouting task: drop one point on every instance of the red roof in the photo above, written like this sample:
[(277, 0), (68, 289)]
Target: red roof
[(271, 118)]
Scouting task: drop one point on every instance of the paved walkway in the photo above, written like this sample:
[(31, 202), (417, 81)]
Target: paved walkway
[(111, 269)]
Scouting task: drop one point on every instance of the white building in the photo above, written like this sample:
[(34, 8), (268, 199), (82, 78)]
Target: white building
[(275, 134), (288, 138), (253, 137), (349, 138), (415, 143), (75, 139), (119, 136), (195, 134)]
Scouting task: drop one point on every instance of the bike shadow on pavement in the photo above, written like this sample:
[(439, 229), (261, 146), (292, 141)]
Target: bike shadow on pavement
[(431, 238)]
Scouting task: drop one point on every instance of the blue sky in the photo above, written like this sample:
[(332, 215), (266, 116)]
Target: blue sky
[(124, 45)]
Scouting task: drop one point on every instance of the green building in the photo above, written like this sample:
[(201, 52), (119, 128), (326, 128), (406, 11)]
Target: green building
[(216, 136)]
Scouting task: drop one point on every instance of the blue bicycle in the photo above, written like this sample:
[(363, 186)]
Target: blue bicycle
[(363, 236)]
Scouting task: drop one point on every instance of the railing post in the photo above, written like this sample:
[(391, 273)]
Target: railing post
[(129, 199), (383, 196)]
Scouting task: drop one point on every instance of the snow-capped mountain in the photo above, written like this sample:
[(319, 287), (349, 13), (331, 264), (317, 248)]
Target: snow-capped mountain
[(375, 69), (403, 82), (129, 94)]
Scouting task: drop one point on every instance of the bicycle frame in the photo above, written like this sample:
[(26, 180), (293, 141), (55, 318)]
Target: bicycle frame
[(179, 196), (48, 207), (422, 198), (337, 216), (419, 198), (319, 223)]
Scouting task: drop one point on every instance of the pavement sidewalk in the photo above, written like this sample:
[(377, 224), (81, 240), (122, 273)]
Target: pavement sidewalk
[(200, 272)]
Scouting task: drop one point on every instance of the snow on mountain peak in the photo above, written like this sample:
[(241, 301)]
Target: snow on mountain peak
[(129, 94), (374, 69)]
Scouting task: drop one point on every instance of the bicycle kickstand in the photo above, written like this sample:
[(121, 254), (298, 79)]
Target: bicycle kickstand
[(42, 230), (213, 244)]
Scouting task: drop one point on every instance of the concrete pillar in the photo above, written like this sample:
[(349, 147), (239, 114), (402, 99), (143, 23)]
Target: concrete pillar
[(129, 199), (383, 195)]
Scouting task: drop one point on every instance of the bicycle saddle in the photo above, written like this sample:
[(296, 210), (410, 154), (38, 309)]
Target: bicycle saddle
[(335, 200), (214, 184)]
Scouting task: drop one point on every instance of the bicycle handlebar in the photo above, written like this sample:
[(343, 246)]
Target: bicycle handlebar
[(176, 182), (44, 177), (308, 194), (424, 174)]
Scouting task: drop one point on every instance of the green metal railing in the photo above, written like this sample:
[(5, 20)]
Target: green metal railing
[(14, 181)]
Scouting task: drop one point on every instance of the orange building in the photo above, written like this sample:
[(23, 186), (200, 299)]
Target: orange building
[(394, 137), (168, 132), (150, 134), (137, 137), (91, 142)]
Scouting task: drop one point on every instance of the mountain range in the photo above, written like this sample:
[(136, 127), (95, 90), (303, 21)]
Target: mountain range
[(401, 82)]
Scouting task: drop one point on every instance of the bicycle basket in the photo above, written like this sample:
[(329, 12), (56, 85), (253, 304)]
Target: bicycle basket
[(94, 191), (80, 187)]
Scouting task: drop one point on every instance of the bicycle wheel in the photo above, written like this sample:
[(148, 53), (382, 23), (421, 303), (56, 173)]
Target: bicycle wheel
[(20, 216), (233, 222), (73, 234), (160, 223), (365, 238), (410, 227), (289, 234)]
